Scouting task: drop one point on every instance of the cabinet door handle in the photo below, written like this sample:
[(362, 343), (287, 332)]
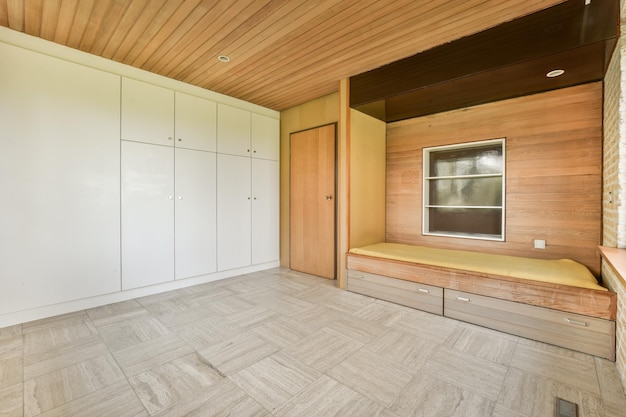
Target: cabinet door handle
[(576, 322), (329, 197), (180, 197), (180, 139), (423, 290), (169, 138), (464, 299), (169, 197)]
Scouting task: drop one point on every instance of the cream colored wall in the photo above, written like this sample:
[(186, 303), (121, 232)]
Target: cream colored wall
[(319, 112), (367, 179)]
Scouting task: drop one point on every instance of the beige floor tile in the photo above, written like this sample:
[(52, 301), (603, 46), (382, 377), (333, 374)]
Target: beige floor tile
[(323, 349), (10, 332), (174, 381), (11, 367), (55, 321), (165, 304), (127, 333), (500, 411), (56, 336), (12, 401), (68, 354), (250, 317), (112, 313), (9, 343), (282, 331), (155, 352), (185, 318), (275, 379), (318, 317), (565, 369), (317, 294), (221, 399), (381, 312), (373, 376), (610, 385), (118, 400), (533, 395), (238, 352), (467, 372), (425, 325), (286, 304), (208, 332), (403, 348), (363, 331), (329, 398), (228, 305), (291, 287), (59, 387), (427, 396), (348, 302), (486, 344)]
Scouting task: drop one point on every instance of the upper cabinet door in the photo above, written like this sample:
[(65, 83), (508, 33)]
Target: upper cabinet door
[(265, 137), (233, 130), (196, 123), (147, 113)]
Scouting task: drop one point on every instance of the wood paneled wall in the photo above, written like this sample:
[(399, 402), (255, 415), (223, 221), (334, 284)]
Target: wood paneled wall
[(553, 172)]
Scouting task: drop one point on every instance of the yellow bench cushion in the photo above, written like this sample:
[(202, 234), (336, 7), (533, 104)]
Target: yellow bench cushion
[(559, 271)]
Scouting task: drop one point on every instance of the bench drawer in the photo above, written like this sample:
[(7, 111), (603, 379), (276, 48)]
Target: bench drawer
[(412, 294), (573, 331)]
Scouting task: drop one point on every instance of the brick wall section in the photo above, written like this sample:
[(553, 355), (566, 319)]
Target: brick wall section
[(614, 186)]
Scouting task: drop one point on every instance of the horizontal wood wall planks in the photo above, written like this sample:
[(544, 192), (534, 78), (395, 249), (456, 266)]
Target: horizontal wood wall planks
[(553, 172)]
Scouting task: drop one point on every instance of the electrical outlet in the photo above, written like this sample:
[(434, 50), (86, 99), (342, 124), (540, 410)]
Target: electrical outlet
[(539, 244)]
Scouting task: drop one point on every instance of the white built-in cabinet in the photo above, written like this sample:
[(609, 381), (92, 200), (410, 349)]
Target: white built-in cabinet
[(59, 181), (265, 210), (196, 213), (248, 188), (147, 214), (154, 114), (113, 183), (234, 210)]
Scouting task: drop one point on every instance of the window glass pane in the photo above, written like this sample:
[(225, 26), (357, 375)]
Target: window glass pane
[(466, 161), (466, 221), (466, 192)]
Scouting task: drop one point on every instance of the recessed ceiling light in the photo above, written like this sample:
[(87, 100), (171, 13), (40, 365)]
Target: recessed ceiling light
[(555, 73), (223, 58)]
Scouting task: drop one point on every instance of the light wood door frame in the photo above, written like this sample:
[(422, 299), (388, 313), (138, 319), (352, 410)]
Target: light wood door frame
[(313, 202)]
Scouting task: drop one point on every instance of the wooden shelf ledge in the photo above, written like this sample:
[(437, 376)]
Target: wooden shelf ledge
[(617, 260)]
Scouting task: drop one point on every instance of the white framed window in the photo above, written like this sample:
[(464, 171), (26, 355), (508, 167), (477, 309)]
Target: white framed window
[(464, 189)]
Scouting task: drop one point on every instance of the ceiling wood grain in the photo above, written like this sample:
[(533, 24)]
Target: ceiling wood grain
[(283, 52)]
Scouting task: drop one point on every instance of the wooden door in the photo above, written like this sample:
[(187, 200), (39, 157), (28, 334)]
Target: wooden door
[(312, 190)]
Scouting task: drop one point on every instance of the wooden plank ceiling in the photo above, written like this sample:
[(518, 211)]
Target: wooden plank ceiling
[(283, 52)]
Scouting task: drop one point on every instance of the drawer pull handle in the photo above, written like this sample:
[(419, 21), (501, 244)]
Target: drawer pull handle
[(423, 290), (467, 300), (576, 322), (357, 276)]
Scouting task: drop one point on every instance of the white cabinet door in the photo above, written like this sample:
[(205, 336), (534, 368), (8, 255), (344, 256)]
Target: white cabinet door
[(196, 213), (147, 113), (233, 212), (196, 123), (147, 214), (265, 137), (233, 130), (59, 181), (265, 210)]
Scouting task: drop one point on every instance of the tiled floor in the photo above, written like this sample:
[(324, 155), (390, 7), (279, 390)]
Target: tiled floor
[(281, 343)]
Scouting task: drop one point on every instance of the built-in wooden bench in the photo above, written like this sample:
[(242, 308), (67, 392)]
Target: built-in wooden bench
[(578, 315)]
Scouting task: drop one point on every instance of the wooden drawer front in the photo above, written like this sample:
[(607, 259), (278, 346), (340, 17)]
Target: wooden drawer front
[(411, 294), (573, 331)]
